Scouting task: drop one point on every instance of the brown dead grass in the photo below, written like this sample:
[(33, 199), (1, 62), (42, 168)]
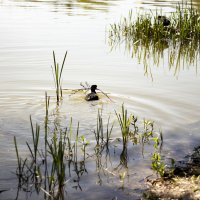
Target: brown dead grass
[(177, 188)]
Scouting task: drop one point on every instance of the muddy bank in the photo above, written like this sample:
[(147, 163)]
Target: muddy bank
[(182, 181)]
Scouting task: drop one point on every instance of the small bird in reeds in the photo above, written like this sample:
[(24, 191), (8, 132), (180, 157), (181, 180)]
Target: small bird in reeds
[(164, 20), (93, 95)]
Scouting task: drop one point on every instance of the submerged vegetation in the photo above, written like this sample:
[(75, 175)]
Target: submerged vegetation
[(147, 36)]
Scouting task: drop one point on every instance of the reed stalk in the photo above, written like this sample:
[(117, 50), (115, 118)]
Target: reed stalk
[(35, 140), (108, 132), (124, 122), (57, 74), (99, 129), (19, 161), (57, 151), (47, 102)]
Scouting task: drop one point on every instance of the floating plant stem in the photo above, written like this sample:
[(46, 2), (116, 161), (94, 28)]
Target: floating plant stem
[(85, 88)]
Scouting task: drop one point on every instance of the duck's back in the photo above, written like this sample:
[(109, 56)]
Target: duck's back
[(91, 96)]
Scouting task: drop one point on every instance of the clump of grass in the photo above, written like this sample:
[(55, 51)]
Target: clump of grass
[(57, 151), (124, 122), (101, 137), (99, 129), (147, 38), (35, 139), (20, 162), (57, 74)]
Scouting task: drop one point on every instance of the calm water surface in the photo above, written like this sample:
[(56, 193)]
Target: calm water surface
[(31, 30)]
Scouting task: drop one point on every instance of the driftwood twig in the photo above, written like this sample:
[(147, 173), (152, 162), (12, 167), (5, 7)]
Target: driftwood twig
[(86, 87)]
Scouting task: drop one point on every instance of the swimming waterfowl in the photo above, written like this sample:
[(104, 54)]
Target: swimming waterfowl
[(164, 20), (93, 95)]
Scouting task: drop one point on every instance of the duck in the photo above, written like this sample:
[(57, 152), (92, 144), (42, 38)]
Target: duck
[(93, 95), (164, 20)]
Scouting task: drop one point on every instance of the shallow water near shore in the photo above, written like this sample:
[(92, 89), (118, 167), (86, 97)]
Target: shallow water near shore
[(31, 30)]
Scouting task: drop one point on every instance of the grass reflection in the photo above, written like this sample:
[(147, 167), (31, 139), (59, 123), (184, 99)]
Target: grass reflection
[(150, 39)]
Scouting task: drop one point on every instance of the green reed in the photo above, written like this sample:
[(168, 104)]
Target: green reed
[(76, 144), (102, 138), (35, 140), (69, 140), (146, 38), (99, 129), (57, 152), (57, 74), (84, 144), (124, 122), (47, 103), (20, 162), (17, 154), (108, 132)]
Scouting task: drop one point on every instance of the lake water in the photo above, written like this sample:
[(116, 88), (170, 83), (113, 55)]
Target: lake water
[(31, 30)]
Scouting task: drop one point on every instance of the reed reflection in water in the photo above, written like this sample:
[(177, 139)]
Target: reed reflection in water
[(146, 37)]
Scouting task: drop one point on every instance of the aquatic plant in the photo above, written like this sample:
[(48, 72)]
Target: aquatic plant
[(57, 148), (157, 164), (57, 151), (99, 129), (102, 138), (108, 132), (20, 162), (124, 122), (35, 139), (84, 142), (57, 74), (146, 37)]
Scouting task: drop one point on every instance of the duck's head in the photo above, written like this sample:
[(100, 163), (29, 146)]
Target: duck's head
[(93, 88)]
